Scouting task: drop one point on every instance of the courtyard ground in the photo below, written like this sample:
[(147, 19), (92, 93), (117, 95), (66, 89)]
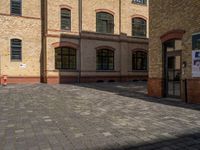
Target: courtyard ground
[(96, 116)]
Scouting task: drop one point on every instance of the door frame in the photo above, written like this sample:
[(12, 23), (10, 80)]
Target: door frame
[(165, 76)]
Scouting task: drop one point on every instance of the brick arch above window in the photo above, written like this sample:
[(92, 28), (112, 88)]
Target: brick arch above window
[(105, 10), (139, 16), (105, 47), (66, 7), (140, 50), (173, 35), (16, 37), (65, 44)]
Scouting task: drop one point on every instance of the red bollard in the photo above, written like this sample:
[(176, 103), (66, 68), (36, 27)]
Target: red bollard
[(5, 78)]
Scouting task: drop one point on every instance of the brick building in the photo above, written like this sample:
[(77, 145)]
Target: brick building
[(73, 40), (174, 44)]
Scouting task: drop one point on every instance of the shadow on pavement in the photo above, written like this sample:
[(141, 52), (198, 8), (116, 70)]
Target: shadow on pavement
[(183, 142), (137, 90)]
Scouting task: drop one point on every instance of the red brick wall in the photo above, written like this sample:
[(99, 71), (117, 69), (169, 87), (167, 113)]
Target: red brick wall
[(72, 79), (193, 88), (62, 79), (88, 79), (99, 78), (14, 80), (53, 80), (155, 87)]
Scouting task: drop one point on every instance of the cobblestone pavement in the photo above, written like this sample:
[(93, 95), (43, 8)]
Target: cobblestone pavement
[(98, 116)]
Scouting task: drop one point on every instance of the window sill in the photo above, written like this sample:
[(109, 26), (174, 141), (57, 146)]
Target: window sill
[(65, 30), (145, 5), (65, 70), (106, 71), (139, 71), (16, 60), (140, 37), (16, 15), (102, 33)]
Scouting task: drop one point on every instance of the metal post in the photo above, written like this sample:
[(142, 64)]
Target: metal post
[(186, 92)]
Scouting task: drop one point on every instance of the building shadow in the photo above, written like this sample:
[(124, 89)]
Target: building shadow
[(182, 142), (137, 90), (63, 77)]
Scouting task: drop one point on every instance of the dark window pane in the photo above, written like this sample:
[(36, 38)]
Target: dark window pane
[(196, 42), (139, 27), (58, 58), (65, 19), (139, 61), (16, 7), (140, 1), (105, 59), (104, 23), (16, 47), (65, 58), (65, 62), (171, 62)]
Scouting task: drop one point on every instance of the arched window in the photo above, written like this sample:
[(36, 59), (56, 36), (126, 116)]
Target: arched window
[(65, 58), (16, 7), (65, 19), (105, 59), (104, 22), (139, 27), (139, 60), (16, 49)]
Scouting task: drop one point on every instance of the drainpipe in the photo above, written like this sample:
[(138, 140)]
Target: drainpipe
[(43, 56), (120, 16), (0, 67), (80, 47)]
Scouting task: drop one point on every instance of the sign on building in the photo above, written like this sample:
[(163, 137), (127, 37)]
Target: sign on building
[(196, 55)]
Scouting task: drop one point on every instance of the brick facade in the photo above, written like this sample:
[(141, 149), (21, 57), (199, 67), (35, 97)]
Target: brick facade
[(39, 30), (27, 28), (176, 20)]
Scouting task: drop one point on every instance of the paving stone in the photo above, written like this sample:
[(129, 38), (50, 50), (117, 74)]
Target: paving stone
[(94, 116)]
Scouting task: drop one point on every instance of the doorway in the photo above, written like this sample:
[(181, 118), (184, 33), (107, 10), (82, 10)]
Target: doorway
[(172, 69)]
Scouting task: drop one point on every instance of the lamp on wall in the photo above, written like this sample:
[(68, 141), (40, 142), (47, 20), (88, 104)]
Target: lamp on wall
[(184, 65)]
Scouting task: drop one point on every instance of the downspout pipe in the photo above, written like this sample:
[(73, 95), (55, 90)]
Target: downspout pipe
[(80, 45), (43, 56), (120, 44)]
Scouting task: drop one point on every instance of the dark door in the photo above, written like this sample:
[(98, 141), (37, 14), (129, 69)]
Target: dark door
[(173, 74)]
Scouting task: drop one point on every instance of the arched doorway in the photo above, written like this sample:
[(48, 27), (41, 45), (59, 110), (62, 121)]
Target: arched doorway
[(172, 63), (172, 68)]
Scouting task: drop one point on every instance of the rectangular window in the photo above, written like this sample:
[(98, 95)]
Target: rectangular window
[(143, 2), (139, 27), (16, 7), (139, 60), (105, 59), (104, 23), (65, 58), (196, 42), (16, 49), (65, 19)]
